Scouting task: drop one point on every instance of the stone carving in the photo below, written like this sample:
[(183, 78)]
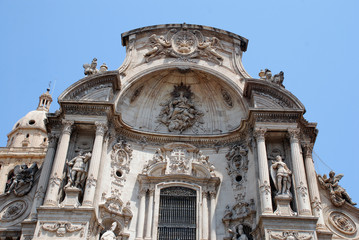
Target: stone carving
[(237, 233), (342, 222), (136, 93), (109, 234), (227, 97), (23, 179), (184, 45), (13, 211), (237, 164), (77, 170), (90, 69), (178, 162), (121, 157), (62, 227), (179, 113), (338, 195), (277, 78), (289, 235), (281, 176), (180, 159)]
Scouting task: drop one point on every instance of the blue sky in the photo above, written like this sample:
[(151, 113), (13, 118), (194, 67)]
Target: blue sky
[(315, 43)]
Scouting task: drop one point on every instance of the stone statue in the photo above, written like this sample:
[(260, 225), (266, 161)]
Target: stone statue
[(23, 179), (238, 233), (77, 169), (109, 234), (277, 78), (90, 69), (338, 195), (281, 176), (209, 49), (158, 44)]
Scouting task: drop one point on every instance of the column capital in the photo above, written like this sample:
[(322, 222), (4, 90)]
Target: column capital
[(212, 194), (101, 128), (53, 138), (293, 134), (308, 149), (67, 126), (259, 133)]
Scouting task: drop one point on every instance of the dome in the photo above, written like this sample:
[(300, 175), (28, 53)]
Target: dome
[(33, 119)]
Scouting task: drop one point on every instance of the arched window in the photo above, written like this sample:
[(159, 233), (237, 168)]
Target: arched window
[(177, 214)]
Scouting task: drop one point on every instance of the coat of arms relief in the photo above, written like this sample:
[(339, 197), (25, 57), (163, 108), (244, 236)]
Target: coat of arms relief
[(184, 45)]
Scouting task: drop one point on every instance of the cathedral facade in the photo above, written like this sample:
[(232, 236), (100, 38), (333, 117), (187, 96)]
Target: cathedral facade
[(179, 142)]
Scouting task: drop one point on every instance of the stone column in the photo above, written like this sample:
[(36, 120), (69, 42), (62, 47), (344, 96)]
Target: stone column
[(45, 174), (313, 185), (264, 182), (300, 181), (4, 173), (51, 198), (212, 195), (204, 216), (149, 214), (141, 214), (93, 171)]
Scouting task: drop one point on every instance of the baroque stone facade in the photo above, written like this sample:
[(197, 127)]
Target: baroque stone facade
[(179, 142)]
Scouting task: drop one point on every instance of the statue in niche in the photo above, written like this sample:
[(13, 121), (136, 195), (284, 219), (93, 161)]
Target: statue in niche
[(77, 169), (238, 233), (110, 234), (22, 180), (281, 176), (338, 195), (179, 113)]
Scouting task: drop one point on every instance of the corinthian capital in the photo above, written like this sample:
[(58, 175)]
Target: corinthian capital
[(293, 134), (101, 128), (308, 149), (67, 126), (53, 138), (259, 133)]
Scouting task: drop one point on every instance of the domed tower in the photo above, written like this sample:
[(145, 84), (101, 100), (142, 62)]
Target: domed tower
[(27, 142), (30, 131)]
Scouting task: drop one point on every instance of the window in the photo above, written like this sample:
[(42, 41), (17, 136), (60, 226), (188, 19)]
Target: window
[(177, 214)]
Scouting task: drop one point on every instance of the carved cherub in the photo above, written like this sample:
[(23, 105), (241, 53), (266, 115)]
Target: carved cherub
[(158, 44), (209, 47), (338, 194), (90, 69)]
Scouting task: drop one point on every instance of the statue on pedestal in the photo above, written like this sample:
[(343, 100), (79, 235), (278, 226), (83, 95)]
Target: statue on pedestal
[(77, 169), (281, 176)]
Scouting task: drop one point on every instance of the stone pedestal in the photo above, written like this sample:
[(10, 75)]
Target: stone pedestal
[(71, 197), (283, 205)]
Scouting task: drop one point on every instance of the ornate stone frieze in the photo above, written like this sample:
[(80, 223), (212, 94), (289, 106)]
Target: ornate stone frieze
[(62, 228), (276, 117), (121, 157), (276, 79), (76, 109), (342, 223), (184, 45), (237, 165), (13, 210), (289, 235), (180, 113), (338, 195)]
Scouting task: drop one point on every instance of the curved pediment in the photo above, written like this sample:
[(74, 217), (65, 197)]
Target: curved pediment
[(181, 102), (94, 88), (267, 95)]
